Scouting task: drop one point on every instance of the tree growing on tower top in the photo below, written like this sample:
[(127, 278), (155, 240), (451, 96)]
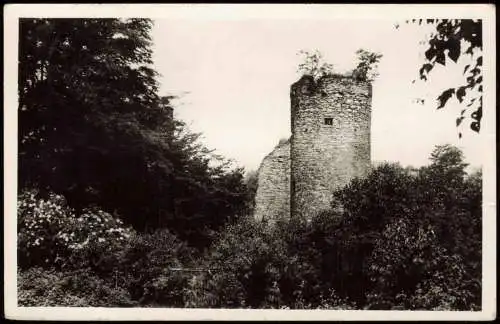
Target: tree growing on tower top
[(366, 70), (314, 65)]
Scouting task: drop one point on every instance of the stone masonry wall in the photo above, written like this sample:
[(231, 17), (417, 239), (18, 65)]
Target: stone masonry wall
[(330, 141), (272, 199)]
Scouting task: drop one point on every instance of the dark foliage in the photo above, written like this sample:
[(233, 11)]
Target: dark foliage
[(454, 38), (397, 239), (251, 181), (39, 287), (93, 128), (400, 238)]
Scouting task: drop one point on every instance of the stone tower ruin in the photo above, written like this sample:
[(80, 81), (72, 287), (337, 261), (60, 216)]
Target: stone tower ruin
[(329, 146), (330, 141)]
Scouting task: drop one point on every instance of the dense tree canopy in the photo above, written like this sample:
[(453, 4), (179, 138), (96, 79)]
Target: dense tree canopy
[(78, 91), (398, 238), (93, 128)]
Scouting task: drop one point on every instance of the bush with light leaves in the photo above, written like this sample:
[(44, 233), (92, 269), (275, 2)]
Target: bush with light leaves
[(93, 225), (51, 233), (39, 221)]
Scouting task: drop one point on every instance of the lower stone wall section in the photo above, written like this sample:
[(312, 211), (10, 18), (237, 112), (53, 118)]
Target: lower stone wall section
[(272, 199)]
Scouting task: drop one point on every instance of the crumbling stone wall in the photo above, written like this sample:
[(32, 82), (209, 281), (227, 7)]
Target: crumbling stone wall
[(330, 145), (272, 199), (330, 141)]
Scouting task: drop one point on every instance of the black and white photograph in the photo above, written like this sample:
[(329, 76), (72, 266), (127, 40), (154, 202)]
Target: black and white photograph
[(198, 161)]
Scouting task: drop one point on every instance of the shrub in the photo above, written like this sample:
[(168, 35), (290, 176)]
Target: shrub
[(148, 269), (42, 287), (140, 272), (314, 65), (94, 239), (244, 267), (254, 265), (409, 241)]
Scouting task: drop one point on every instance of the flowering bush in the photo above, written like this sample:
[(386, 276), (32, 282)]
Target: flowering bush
[(39, 222), (93, 225), (96, 255), (50, 232), (94, 239)]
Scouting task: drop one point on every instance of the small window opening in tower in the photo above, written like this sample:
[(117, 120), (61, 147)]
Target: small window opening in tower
[(328, 121)]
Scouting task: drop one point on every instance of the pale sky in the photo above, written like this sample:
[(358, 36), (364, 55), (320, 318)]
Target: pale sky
[(235, 77)]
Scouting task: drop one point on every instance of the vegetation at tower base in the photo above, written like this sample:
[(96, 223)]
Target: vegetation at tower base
[(398, 238), (402, 240)]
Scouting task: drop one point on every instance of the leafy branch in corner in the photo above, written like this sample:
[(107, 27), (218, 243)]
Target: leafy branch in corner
[(456, 38)]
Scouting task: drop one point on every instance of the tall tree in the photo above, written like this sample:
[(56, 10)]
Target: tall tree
[(80, 80), (92, 127)]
